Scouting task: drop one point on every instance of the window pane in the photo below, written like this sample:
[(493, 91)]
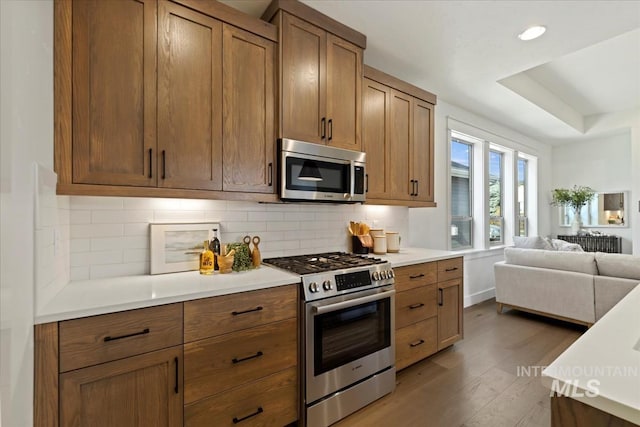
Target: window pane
[(522, 197), (460, 179), (495, 229), (495, 183), (460, 233)]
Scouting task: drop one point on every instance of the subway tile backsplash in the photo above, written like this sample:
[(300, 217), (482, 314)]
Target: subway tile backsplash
[(110, 235)]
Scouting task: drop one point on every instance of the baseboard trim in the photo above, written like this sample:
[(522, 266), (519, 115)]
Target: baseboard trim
[(478, 297)]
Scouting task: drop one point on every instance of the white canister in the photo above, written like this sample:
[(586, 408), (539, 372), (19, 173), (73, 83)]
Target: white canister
[(376, 232), (380, 245), (393, 241)]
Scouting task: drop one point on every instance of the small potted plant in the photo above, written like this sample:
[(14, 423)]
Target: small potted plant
[(575, 199)]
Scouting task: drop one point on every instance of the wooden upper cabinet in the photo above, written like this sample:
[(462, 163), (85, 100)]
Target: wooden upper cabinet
[(376, 106), (114, 95), (344, 93), (248, 111), (320, 75), (398, 139), (303, 80), (422, 150), (189, 99)]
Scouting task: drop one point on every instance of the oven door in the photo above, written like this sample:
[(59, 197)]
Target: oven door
[(348, 338)]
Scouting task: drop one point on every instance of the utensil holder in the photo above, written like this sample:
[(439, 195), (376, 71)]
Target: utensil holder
[(357, 247)]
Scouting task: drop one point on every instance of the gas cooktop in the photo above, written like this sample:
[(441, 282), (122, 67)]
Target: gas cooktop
[(320, 263)]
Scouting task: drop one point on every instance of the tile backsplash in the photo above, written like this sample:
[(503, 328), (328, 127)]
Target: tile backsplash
[(110, 235)]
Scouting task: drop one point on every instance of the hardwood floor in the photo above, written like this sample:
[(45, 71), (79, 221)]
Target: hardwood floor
[(478, 381)]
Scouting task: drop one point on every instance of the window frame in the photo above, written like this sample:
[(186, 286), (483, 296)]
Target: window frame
[(460, 218), (500, 217), (525, 204)]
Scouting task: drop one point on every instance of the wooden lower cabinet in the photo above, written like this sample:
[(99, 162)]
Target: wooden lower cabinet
[(428, 309), (271, 401), (143, 390)]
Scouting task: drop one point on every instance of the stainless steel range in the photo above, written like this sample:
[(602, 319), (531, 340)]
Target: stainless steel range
[(348, 339)]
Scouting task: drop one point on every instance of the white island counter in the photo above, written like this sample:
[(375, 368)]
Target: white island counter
[(602, 368)]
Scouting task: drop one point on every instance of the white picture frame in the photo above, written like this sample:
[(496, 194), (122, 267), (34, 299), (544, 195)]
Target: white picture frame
[(176, 247)]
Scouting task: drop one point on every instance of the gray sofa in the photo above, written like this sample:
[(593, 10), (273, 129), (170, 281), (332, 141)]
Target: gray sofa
[(579, 287)]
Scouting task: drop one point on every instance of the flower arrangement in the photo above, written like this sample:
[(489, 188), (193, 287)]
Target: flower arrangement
[(575, 198)]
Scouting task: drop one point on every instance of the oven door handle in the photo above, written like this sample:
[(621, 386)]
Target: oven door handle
[(353, 302)]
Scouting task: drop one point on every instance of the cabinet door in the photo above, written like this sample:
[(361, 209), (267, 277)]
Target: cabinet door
[(189, 99), (303, 80), (248, 111), (449, 312), (376, 137), (344, 88), (114, 92), (422, 150), (400, 185), (139, 391)]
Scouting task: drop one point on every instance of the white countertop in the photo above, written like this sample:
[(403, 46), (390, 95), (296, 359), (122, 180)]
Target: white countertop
[(93, 297), (604, 363)]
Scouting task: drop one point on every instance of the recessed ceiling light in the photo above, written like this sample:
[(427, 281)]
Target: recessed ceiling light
[(532, 32)]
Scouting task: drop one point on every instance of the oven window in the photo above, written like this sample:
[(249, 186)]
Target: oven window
[(334, 177), (346, 335)]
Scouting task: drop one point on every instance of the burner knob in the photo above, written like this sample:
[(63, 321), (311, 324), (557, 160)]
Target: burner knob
[(383, 274), (327, 285), (391, 274), (375, 275), (313, 287)]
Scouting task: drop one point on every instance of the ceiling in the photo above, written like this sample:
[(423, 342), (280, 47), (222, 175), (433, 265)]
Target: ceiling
[(551, 89)]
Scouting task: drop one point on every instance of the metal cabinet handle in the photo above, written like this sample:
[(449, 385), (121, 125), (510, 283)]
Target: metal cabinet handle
[(417, 343), (176, 389), (164, 165), (330, 129), (417, 276), (242, 359), (258, 411), (270, 172), (440, 297), (237, 313), (135, 334), (150, 162), (414, 306), (323, 128), (451, 269)]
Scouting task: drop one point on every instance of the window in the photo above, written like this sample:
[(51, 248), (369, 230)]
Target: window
[(493, 191), (461, 196), (522, 197), (496, 200)]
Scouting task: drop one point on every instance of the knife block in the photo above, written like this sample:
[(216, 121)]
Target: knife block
[(356, 246)]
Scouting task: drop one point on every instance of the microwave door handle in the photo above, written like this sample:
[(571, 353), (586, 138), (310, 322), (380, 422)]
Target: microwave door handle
[(352, 184), (353, 302)]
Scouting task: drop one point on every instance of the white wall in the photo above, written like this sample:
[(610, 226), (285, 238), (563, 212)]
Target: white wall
[(429, 227), (26, 136), (603, 164), (110, 235)]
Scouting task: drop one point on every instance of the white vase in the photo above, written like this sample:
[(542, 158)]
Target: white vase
[(576, 225)]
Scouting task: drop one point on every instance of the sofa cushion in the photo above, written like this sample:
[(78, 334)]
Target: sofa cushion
[(580, 262), (618, 265), (532, 242)]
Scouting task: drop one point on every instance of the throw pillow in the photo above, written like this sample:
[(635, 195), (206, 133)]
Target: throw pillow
[(561, 245), (533, 242)]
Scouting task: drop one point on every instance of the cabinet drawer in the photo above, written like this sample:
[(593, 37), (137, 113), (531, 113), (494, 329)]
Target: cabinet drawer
[(413, 276), (415, 342), (209, 317), (449, 269), (271, 401), (98, 339), (216, 364), (415, 305)]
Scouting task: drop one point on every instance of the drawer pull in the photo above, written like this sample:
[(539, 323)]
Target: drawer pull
[(451, 269), (417, 343), (414, 306), (440, 296), (417, 276), (236, 360), (135, 334), (258, 411), (236, 313)]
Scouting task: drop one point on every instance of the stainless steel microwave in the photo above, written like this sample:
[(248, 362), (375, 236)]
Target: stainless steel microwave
[(317, 173)]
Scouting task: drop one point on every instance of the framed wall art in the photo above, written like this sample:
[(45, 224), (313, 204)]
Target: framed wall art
[(177, 246)]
